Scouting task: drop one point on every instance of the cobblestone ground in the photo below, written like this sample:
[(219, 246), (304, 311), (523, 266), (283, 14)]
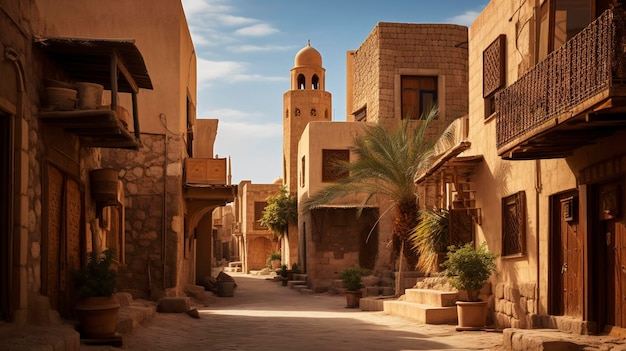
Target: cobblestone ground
[(263, 315)]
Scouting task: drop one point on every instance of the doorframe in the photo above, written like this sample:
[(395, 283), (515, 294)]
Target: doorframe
[(7, 249), (554, 249)]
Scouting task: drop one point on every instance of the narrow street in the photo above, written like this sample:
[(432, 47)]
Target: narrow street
[(263, 315)]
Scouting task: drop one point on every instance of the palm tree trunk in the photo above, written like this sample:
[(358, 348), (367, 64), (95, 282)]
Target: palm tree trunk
[(399, 278)]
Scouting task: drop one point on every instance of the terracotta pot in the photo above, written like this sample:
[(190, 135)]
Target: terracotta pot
[(471, 315), (353, 298), (98, 316)]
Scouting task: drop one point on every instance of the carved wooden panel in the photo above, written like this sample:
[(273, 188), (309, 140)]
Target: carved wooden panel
[(514, 224), (331, 169), (493, 66), (53, 235)]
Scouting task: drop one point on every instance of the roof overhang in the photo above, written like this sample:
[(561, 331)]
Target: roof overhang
[(89, 60), (449, 166)]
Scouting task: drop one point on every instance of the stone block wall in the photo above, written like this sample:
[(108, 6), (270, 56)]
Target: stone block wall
[(515, 305), (395, 49)]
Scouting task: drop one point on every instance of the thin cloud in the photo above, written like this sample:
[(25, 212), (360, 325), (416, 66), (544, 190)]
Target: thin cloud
[(233, 114), (256, 48), (248, 131), (464, 19), (228, 71), (257, 30)]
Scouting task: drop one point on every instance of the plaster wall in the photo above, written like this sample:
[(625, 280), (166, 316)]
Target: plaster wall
[(522, 281)]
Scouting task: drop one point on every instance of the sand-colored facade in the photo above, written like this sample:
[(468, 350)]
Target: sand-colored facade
[(332, 237), (258, 242), (52, 209), (546, 199)]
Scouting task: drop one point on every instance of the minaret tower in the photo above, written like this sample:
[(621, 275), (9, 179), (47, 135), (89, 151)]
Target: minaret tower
[(306, 101)]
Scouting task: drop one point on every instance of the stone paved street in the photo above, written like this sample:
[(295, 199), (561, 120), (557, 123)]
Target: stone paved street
[(263, 315)]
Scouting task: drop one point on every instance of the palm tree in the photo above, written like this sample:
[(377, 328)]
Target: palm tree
[(387, 162)]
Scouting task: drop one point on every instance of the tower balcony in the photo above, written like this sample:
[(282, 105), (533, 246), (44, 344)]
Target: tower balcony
[(572, 98)]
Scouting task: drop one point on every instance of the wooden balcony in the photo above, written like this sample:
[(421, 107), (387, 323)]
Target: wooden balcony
[(116, 64), (572, 98), (205, 184)]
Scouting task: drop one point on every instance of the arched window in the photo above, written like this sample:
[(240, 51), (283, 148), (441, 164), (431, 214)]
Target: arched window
[(315, 82), (301, 82)]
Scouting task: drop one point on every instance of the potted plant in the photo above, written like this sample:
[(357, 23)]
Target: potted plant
[(284, 275), (351, 278), (468, 269), (273, 261), (95, 285)]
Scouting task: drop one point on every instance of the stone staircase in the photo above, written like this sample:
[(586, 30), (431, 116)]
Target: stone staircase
[(424, 305)]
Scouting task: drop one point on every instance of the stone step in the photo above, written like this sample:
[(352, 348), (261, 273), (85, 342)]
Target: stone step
[(295, 283), (420, 312), (299, 276), (431, 297)]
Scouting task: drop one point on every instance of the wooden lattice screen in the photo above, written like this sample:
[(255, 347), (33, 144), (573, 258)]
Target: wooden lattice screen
[(514, 224), (493, 66), (331, 171)]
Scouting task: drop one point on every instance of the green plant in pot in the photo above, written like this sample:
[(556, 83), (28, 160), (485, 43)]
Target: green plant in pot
[(95, 285), (468, 268), (351, 278), (284, 274), (273, 261)]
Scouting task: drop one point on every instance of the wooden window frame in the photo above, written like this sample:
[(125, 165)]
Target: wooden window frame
[(330, 159), (259, 208), (514, 225)]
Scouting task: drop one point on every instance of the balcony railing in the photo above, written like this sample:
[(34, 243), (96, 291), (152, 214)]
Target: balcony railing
[(570, 81)]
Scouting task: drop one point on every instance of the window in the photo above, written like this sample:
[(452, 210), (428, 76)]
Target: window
[(514, 224), (361, 115), (560, 20), (315, 81), (419, 94), (301, 82), (493, 72), (331, 168), (259, 208)]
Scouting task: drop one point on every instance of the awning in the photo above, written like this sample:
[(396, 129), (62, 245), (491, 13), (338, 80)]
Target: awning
[(89, 60), (449, 166)]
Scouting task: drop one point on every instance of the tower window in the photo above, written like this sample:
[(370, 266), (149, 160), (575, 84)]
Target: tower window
[(419, 94), (301, 82), (315, 82)]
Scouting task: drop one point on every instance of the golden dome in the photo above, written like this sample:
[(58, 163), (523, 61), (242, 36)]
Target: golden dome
[(278, 180), (308, 56)]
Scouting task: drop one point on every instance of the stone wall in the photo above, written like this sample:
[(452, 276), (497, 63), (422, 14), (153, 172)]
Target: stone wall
[(395, 49), (151, 261), (515, 305)]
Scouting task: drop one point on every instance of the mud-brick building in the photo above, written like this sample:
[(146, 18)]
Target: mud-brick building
[(54, 208), (546, 128), (257, 242), (399, 71)]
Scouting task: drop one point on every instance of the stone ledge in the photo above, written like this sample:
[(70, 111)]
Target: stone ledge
[(553, 339)]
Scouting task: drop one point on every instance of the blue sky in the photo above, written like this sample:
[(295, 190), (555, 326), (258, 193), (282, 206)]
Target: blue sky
[(246, 49)]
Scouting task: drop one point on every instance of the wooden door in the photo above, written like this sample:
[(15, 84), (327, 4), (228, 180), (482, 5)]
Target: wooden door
[(567, 245), (609, 239), (6, 202), (62, 241)]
